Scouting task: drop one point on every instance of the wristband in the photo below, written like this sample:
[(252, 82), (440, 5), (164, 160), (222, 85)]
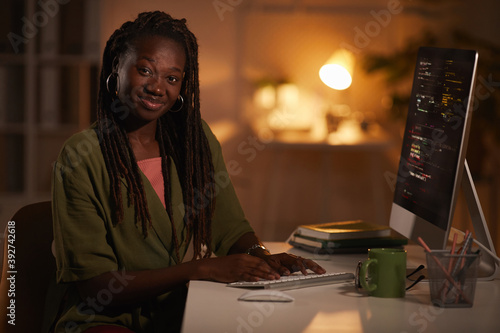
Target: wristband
[(256, 246)]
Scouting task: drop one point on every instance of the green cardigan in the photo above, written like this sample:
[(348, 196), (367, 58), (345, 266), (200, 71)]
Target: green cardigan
[(87, 244)]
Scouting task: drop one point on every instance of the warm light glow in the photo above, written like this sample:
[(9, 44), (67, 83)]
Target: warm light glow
[(265, 97), (224, 130), (345, 321), (287, 95), (337, 71), (287, 113), (349, 132), (335, 76)]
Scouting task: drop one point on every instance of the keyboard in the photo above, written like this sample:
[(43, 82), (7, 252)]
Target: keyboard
[(296, 281)]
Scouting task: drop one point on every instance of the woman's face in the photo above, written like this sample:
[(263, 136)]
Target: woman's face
[(151, 77)]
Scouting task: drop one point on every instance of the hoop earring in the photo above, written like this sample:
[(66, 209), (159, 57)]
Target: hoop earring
[(117, 83), (179, 98)]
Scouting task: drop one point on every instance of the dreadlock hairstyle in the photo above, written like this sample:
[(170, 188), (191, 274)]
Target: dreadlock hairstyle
[(179, 134)]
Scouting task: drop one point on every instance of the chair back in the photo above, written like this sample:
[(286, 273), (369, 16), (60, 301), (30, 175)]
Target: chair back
[(24, 285)]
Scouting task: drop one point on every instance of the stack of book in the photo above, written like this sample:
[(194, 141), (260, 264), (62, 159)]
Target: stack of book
[(344, 237)]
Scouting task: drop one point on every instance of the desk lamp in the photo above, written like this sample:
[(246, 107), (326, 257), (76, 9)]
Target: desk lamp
[(336, 73)]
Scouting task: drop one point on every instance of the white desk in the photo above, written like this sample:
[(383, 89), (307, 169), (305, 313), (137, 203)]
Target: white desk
[(213, 307)]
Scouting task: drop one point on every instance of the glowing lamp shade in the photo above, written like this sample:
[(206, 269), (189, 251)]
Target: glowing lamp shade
[(335, 76), (336, 73)]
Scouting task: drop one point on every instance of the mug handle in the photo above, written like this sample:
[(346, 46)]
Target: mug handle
[(362, 275)]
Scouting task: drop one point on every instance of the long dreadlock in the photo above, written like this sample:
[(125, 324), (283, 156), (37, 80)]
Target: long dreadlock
[(180, 135)]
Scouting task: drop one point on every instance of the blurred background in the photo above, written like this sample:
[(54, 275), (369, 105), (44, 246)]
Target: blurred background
[(298, 151)]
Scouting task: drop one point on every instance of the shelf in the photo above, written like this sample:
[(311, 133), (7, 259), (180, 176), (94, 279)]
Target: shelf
[(12, 167), (12, 101), (69, 95), (11, 23), (49, 83), (12, 59), (12, 128)]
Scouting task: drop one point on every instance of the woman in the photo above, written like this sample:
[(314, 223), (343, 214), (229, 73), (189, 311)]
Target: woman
[(148, 178)]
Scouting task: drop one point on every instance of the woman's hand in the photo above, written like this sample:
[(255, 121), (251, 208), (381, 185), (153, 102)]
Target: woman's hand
[(244, 267), (285, 264), (282, 263), (237, 267)]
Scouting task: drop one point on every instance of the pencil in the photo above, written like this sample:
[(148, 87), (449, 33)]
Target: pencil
[(445, 271), (455, 236)]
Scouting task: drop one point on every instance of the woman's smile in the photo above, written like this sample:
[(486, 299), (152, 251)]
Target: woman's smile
[(151, 104)]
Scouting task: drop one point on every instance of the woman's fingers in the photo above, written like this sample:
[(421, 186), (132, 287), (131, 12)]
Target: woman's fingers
[(243, 267), (286, 263), (239, 267), (313, 266)]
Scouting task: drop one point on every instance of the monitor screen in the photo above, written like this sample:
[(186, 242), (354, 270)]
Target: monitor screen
[(434, 144)]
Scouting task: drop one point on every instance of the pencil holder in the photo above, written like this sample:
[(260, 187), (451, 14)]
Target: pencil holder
[(452, 278)]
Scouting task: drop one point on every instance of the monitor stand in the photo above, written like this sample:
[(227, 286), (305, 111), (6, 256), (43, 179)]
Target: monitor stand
[(489, 264)]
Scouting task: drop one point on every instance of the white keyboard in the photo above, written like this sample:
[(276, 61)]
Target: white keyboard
[(296, 281)]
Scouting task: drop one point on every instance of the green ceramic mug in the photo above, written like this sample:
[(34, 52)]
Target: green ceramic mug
[(386, 273)]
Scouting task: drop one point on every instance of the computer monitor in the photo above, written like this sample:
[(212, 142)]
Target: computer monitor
[(432, 167)]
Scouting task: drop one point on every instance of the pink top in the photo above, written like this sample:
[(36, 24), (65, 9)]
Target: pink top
[(151, 168)]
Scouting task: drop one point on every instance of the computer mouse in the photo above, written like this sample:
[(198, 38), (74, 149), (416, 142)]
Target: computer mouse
[(266, 295)]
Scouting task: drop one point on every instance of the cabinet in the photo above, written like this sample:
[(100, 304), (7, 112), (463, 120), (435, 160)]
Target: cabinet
[(49, 67)]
